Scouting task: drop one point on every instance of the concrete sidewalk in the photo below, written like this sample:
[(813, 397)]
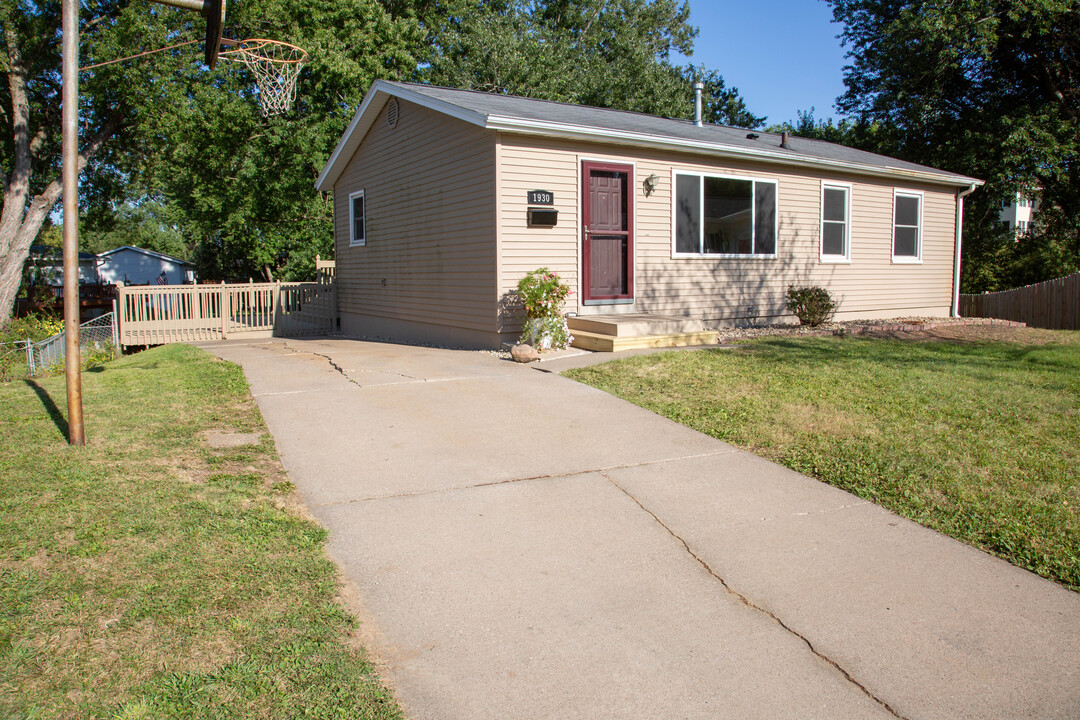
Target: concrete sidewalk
[(528, 547)]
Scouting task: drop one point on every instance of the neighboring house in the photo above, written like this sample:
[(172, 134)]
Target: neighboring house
[(444, 199), (46, 265), (1018, 212), (135, 266)]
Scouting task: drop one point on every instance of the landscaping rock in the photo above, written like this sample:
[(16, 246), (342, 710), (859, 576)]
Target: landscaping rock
[(524, 353)]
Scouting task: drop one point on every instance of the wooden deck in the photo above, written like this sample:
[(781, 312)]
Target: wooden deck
[(162, 314)]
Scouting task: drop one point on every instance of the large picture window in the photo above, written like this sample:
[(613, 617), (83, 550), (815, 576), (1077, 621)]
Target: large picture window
[(357, 226), (835, 222), (724, 216), (907, 227)]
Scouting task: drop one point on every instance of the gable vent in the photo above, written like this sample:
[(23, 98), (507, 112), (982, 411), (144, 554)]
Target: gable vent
[(392, 112)]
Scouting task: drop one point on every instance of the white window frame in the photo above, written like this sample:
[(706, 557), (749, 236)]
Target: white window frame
[(701, 188), (917, 257), (353, 242), (846, 257)]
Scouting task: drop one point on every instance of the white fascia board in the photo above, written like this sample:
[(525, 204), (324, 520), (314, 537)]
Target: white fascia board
[(585, 132), (355, 134)]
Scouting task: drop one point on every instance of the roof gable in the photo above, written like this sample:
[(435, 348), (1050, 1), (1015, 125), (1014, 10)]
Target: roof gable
[(150, 253), (545, 118)]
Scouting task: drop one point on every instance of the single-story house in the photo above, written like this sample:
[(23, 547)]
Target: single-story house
[(444, 199), (47, 266), (136, 266)]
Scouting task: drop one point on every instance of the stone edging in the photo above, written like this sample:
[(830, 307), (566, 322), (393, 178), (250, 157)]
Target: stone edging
[(862, 329)]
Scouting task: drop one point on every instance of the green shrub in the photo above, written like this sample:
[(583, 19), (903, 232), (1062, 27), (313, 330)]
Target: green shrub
[(812, 305), (31, 327)]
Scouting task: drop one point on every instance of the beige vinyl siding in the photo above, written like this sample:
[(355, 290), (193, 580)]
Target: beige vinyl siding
[(430, 224), (537, 165), (728, 289)]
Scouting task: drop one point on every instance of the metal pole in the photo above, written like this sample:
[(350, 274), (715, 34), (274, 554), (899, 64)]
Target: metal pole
[(70, 149)]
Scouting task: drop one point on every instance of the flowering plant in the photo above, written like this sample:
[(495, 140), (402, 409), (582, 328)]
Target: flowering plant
[(542, 294)]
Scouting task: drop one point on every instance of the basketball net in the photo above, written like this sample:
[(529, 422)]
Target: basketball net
[(276, 66)]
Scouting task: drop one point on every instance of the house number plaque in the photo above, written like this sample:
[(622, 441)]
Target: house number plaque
[(541, 197)]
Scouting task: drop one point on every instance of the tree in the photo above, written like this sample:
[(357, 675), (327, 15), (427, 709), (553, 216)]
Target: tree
[(30, 106), (147, 225), (164, 126), (241, 185), (988, 89), (603, 53)]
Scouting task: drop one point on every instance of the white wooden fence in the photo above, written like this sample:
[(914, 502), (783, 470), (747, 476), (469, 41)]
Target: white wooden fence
[(161, 314)]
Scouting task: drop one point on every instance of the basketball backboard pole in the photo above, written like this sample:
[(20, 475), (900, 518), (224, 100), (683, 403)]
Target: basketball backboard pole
[(69, 120), (214, 10)]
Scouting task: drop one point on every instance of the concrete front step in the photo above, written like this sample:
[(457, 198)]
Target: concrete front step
[(598, 342), (633, 325)]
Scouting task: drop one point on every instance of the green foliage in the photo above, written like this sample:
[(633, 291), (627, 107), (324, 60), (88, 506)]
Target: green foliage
[(147, 224), (30, 327), (242, 185), (987, 90), (977, 440), (151, 575), (590, 52), (812, 305), (547, 333), (542, 294), (14, 332)]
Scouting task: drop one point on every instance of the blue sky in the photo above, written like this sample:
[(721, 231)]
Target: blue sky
[(782, 55)]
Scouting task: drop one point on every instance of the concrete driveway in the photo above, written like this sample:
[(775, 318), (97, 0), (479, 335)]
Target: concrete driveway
[(528, 547)]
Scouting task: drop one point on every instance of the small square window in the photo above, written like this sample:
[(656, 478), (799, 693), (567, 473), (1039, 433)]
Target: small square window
[(357, 227)]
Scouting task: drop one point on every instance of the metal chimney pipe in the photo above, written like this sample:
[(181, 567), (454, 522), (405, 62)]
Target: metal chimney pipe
[(698, 88)]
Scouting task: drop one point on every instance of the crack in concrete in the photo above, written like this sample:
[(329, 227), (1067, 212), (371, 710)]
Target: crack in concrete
[(754, 606), (345, 373), (409, 379), (551, 476)]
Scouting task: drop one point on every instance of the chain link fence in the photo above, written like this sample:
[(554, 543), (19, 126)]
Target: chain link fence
[(97, 343)]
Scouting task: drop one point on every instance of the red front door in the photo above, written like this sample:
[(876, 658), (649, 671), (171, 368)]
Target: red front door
[(607, 249)]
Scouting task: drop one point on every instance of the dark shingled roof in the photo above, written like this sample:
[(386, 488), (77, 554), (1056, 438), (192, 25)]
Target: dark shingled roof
[(554, 119), (490, 104)]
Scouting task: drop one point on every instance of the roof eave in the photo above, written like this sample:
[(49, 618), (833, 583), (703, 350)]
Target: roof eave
[(644, 140)]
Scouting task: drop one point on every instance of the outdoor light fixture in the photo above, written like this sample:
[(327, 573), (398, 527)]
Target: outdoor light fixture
[(649, 184)]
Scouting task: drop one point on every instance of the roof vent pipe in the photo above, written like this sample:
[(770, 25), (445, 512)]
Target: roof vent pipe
[(784, 140), (698, 88)]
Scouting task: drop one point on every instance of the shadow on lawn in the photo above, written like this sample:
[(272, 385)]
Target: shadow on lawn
[(50, 407)]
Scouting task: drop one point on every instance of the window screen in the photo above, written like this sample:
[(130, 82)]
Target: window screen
[(724, 216), (906, 226), (356, 212)]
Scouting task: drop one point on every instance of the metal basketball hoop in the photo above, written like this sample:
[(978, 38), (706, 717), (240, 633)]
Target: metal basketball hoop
[(276, 66)]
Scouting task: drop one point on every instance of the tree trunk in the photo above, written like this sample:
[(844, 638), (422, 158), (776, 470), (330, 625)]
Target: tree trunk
[(269, 273), (19, 224), (16, 238)]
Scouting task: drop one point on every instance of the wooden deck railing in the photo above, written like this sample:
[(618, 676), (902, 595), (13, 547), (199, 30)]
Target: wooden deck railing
[(325, 270), (1054, 304), (161, 314)]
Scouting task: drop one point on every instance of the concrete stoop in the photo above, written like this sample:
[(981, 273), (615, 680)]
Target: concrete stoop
[(611, 333)]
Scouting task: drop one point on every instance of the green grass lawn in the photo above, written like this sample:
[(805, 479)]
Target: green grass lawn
[(153, 575), (980, 440)]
